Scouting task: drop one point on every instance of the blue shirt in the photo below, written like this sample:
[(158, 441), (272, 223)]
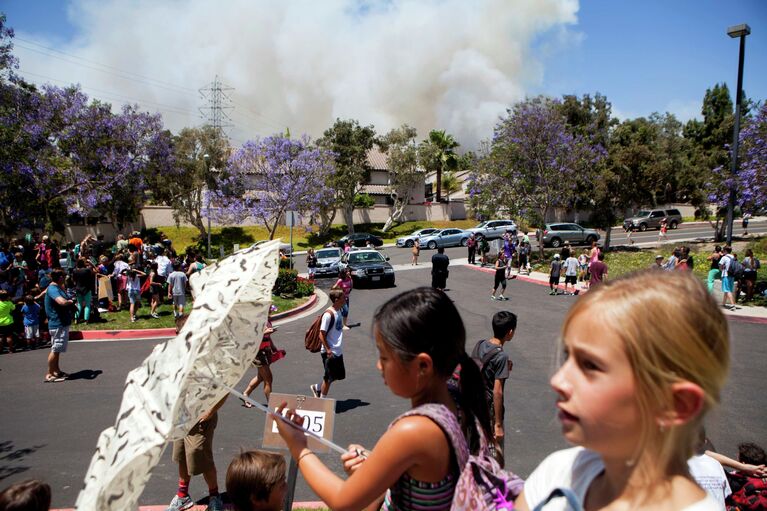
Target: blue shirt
[(58, 315), (31, 314)]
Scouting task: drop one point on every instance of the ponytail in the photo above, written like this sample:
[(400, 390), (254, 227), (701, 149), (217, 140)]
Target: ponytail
[(473, 402)]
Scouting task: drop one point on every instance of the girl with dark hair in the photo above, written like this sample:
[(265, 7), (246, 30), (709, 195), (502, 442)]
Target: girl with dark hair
[(420, 339)]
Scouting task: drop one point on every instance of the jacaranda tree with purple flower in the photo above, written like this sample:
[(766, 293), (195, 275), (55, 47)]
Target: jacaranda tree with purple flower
[(750, 183), (535, 163), (267, 177)]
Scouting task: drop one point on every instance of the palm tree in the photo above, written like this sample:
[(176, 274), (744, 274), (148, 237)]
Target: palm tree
[(443, 155), (450, 184)]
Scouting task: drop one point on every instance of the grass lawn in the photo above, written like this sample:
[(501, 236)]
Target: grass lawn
[(183, 237), (626, 260), (121, 320)]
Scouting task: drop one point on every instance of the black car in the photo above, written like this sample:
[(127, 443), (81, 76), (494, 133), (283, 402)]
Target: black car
[(368, 267), (360, 239)]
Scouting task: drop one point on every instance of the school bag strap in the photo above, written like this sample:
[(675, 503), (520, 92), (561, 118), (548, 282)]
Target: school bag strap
[(448, 422), (332, 312), (487, 357)]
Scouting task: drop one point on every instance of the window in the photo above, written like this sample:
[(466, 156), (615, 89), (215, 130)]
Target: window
[(674, 212), (657, 214)]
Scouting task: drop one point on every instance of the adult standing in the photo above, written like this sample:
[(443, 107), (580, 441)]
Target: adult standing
[(750, 265), (571, 273), (58, 309), (471, 245), (311, 262), (416, 251), (598, 271), (439, 272), (500, 277), (744, 223), (714, 272)]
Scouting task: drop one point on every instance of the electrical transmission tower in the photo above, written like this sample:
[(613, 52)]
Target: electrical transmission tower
[(214, 113)]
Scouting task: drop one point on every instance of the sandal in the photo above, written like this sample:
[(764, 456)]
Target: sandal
[(61, 374), (246, 404), (53, 379)]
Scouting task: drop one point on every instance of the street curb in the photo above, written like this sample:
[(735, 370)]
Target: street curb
[(738, 317), (157, 333)]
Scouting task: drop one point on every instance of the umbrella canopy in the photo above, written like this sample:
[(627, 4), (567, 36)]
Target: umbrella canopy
[(164, 397)]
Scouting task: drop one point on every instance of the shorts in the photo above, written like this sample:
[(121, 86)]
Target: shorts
[(134, 295), (196, 448), (334, 368), (59, 339), (31, 331), (179, 300), (500, 279), (6, 329), (122, 282), (554, 280), (345, 308), (571, 279), (728, 284), (750, 276)]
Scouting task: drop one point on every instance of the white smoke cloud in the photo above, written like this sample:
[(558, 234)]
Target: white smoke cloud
[(434, 64)]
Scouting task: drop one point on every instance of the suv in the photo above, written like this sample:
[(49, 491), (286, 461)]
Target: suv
[(368, 266), (360, 239), (493, 229), (651, 219), (556, 234)]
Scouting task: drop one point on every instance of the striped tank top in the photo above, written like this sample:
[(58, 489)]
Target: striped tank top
[(409, 494)]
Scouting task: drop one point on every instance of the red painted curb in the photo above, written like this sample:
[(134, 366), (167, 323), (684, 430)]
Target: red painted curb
[(154, 333)]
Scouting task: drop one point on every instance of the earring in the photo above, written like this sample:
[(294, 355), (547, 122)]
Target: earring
[(662, 426)]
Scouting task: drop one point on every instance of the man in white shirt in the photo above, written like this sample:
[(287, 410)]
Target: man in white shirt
[(332, 337), (571, 273), (164, 266)]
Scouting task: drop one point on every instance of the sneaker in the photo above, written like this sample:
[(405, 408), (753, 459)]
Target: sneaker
[(155, 315), (502, 298), (492, 297), (215, 504), (552, 292), (314, 389), (180, 503), (133, 319)]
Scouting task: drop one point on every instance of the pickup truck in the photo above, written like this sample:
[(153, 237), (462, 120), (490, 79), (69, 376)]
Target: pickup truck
[(493, 229)]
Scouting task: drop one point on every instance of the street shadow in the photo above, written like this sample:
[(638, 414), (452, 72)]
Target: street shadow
[(349, 404), (9, 454), (85, 374)]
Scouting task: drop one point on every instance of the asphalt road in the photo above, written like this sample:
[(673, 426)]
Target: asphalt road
[(49, 431)]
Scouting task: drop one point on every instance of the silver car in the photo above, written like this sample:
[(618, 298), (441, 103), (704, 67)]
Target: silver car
[(328, 261), (555, 235), (409, 240), (445, 238)]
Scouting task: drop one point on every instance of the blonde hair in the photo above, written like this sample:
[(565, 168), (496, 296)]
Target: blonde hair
[(672, 331)]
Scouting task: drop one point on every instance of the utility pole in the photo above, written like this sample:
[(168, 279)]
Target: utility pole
[(219, 102)]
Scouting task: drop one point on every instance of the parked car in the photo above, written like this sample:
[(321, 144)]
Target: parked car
[(409, 240), (360, 239), (285, 248), (493, 229), (328, 261), (555, 235), (445, 238), (368, 267), (651, 219)]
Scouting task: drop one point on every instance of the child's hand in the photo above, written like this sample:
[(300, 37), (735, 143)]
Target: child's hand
[(354, 457), (294, 437)]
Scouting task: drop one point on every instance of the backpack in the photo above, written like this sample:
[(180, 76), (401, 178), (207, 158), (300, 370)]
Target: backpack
[(482, 484), (482, 362), (736, 268), (312, 341)]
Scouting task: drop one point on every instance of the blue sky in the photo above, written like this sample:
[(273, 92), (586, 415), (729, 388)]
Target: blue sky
[(645, 56)]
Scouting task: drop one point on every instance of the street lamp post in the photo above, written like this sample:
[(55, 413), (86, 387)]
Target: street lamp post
[(206, 157), (736, 31)]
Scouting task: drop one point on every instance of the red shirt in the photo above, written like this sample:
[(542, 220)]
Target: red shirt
[(598, 270)]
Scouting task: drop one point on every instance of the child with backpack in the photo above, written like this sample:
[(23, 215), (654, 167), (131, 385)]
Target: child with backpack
[(423, 460), (331, 335), (632, 395)]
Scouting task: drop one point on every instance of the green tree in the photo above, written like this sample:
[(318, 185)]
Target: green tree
[(450, 184), (200, 162), (404, 173), (438, 155), (350, 144)]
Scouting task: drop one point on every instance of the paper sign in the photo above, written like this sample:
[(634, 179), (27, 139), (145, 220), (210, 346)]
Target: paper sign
[(319, 418)]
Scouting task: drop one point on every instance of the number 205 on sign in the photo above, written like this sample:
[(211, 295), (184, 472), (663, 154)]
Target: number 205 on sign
[(312, 421)]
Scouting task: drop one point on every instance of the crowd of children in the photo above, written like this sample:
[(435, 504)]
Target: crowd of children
[(101, 277)]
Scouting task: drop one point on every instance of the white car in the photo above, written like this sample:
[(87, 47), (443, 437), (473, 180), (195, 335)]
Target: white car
[(328, 261), (409, 240)]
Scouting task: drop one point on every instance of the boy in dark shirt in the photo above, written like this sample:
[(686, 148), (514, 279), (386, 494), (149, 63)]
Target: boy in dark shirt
[(495, 369)]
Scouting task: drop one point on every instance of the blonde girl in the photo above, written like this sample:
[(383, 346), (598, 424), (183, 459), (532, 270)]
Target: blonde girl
[(632, 394), (420, 338)]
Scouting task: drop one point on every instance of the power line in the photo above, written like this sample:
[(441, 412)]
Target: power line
[(120, 74)]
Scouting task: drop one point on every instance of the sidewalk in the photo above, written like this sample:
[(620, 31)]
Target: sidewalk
[(740, 313)]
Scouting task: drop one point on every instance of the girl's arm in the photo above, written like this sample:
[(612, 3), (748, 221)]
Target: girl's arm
[(413, 442), (754, 470)]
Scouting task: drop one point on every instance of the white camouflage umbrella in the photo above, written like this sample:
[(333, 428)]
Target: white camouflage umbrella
[(165, 395)]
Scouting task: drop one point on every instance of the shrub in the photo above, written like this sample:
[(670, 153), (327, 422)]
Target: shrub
[(286, 282), (304, 287)]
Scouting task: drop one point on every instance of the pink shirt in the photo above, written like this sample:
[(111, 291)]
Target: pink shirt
[(346, 285)]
